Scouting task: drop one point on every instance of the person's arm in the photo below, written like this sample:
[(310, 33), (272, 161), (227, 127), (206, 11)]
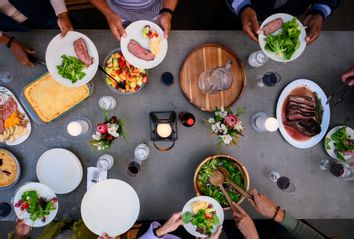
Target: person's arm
[(348, 74), (295, 227), (165, 16), (239, 5), (19, 51), (157, 231), (113, 19), (62, 14), (315, 17)]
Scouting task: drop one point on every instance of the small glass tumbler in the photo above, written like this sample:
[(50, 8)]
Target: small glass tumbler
[(268, 79)]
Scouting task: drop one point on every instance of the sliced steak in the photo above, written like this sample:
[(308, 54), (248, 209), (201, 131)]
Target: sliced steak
[(81, 52), (1, 126), (303, 107), (140, 52), (298, 116), (273, 26), (303, 99), (308, 127)]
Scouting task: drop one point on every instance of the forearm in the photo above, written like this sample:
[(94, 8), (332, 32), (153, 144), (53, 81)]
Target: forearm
[(102, 6), (4, 39), (170, 4), (298, 229)]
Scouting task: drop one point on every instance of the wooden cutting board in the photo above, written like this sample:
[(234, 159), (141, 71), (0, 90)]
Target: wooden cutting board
[(203, 58)]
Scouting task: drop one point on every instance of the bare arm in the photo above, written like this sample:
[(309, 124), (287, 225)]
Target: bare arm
[(113, 19), (171, 4)]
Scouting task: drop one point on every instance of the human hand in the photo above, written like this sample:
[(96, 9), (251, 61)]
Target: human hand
[(346, 75), (171, 225), (265, 206), (244, 223), (164, 20), (21, 228), (217, 234), (105, 236), (21, 53), (250, 24), (314, 23), (64, 23), (116, 25)]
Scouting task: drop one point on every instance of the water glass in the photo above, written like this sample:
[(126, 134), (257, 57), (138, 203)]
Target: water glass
[(141, 152), (5, 77), (107, 103), (257, 59), (105, 163), (268, 79)]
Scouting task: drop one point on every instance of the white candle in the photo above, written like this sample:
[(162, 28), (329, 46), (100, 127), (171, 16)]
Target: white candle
[(269, 124), (75, 128), (164, 130)]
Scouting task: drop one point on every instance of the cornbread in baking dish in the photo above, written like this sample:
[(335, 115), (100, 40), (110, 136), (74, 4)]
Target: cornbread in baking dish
[(50, 99)]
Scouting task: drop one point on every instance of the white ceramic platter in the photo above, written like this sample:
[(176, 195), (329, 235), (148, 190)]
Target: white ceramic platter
[(330, 151)]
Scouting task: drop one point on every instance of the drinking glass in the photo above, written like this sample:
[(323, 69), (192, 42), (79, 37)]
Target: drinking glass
[(257, 58), (268, 79), (324, 164), (5, 209), (104, 163), (141, 153), (5, 77), (167, 78), (107, 103), (133, 169), (283, 182)]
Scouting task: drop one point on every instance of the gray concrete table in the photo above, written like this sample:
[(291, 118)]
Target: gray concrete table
[(166, 180)]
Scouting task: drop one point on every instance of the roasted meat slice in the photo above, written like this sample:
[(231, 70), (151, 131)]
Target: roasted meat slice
[(140, 52), (82, 52), (308, 127), (302, 99), (273, 26)]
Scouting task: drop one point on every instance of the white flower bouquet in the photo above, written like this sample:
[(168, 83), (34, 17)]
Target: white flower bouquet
[(226, 125)]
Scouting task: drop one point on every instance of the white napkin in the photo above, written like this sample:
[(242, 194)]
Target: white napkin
[(91, 173)]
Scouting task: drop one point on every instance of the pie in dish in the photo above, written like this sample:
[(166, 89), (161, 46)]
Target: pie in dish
[(50, 99), (8, 168)]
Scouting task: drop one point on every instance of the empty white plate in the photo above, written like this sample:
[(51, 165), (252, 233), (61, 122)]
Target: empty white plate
[(60, 169)]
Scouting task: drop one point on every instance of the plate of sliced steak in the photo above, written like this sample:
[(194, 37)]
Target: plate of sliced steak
[(302, 113), (136, 48), (74, 44)]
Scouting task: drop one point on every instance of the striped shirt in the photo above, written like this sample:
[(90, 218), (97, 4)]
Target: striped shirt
[(133, 10)]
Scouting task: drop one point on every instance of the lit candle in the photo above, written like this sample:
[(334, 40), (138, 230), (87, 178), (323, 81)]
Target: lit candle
[(269, 124), (164, 130), (75, 128)]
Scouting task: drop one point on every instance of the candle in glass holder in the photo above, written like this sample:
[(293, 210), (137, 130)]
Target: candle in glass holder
[(164, 130), (269, 124), (76, 128)]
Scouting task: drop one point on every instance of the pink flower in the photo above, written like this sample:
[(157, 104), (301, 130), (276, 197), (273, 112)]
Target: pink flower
[(102, 128), (231, 120)]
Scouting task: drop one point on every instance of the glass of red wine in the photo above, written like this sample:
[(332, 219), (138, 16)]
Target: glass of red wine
[(283, 182), (5, 209), (133, 169), (268, 79)]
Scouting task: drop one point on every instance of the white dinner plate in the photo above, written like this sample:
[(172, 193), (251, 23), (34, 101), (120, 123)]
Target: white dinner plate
[(59, 46), (188, 208), (134, 31), (60, 169), (5, 94), (325, 118), (286, 18), (43, 191), (330, 151), (110, 206)]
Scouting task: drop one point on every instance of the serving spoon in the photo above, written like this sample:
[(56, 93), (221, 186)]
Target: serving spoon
[(217, 179), (237, 187)]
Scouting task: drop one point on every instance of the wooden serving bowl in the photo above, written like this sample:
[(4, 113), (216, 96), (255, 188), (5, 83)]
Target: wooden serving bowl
[(238, 165)]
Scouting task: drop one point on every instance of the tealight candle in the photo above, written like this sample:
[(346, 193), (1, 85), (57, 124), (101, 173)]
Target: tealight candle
[(164, 130), (269, 124), (75, 128)]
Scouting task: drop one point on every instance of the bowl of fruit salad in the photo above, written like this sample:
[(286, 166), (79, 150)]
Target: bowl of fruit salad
[(128, 79)]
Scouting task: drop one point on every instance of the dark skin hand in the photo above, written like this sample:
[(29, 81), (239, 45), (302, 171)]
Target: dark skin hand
[(21, 53), (314, 24), (22, 230), (250, 24)]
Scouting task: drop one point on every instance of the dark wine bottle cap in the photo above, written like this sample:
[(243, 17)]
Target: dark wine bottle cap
[(190, 121)]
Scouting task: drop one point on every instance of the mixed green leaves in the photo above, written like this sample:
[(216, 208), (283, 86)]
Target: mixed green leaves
[(205, 220), (37, 207), (215, 192), (342, 143), (71, 68), (286, 42)]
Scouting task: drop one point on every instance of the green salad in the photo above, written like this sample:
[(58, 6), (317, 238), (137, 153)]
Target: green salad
[(286, 42), (215, 192), (204, 219), (37, 207), (342, 143), (71, 68)]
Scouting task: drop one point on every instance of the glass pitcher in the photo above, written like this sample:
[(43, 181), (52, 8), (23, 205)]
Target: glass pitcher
[(216, 79)]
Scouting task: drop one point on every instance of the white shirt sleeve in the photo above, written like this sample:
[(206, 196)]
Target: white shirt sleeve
[(59, 6)]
